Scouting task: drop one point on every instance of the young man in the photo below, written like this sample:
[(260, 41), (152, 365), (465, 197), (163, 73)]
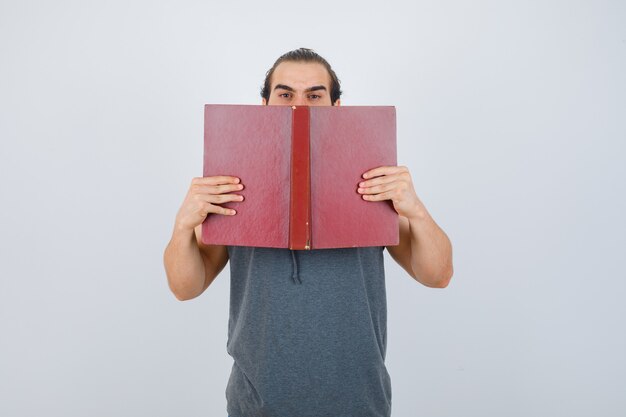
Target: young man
[(307, 329)]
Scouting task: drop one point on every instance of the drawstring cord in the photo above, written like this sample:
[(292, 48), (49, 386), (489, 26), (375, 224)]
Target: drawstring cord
[(295, 276)]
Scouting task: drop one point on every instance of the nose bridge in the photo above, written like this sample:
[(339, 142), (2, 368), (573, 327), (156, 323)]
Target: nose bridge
[(299, 98)]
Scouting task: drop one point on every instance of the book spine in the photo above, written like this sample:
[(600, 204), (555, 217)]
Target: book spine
[(300, 192)]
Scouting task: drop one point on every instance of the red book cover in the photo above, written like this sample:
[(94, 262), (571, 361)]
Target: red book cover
[(300, 167)]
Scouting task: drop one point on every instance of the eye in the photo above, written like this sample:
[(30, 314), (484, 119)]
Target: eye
[(315, 96), (284, 95)]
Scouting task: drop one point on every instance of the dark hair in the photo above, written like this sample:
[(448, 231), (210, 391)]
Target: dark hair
[(303, 55)]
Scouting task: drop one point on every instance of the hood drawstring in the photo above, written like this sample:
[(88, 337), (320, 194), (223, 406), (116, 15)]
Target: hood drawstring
[(295, 276)]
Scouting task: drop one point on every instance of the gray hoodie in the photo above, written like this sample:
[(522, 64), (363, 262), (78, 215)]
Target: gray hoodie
[(307, 332)]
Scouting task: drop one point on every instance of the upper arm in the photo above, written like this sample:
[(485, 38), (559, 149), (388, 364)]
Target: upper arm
[(401, 253), (214, 258)]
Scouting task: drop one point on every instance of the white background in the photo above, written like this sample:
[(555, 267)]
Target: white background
[(511, 118)]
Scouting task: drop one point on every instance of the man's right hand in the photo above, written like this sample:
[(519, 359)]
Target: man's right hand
[(203, 198), (191, 266)]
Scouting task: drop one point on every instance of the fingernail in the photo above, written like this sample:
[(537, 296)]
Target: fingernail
[(360, 190), (232, 212), (361, 184), (364, 175)]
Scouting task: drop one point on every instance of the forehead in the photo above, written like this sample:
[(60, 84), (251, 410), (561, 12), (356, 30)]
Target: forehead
[(300, 75)]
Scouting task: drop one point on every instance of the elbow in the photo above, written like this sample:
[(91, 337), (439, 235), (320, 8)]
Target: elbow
[(440, 279), (182, 297), (442, 283), (182, 293), (445, 277), (182, 288)]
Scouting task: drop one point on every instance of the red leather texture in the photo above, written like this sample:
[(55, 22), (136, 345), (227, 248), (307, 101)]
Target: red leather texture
[(346, 142), (254, 144), (266, 146), (300, 213)]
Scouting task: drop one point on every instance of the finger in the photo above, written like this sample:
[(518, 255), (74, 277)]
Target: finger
[(379, 188), (224, 211), (220, 198), (384, 170), (216, 180), (389, 195), (378, 180), (215, 189), (209, 208)]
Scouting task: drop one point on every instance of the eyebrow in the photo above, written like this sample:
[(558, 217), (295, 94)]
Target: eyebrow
[(308, 90)]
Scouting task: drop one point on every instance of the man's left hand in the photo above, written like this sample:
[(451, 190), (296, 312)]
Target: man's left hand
[(392, 183)]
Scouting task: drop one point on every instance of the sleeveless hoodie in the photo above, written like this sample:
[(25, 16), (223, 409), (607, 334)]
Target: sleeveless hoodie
[(307, 332)]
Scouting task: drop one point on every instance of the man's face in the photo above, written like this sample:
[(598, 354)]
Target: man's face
[(300, 84)]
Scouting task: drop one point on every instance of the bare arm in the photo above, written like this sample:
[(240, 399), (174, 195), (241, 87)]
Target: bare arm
[(424, 251), (190, 265)]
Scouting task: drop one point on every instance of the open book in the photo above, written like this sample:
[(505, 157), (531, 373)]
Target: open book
[(300, 167)]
